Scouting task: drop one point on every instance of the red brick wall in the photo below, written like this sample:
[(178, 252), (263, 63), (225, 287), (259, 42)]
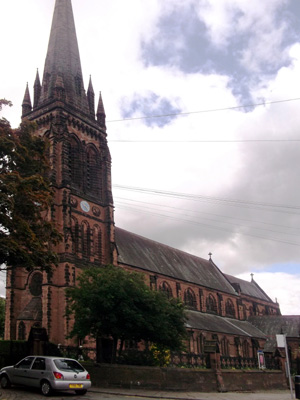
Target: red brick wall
[(156, 378)]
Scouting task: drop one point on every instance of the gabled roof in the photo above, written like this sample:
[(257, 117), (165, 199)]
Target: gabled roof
[(248, 288), (215, 323), (146, 254), (278, 324), (273, 325), (33, 310)]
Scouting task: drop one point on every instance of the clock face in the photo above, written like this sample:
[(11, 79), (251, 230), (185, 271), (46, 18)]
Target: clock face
[(85, 206)]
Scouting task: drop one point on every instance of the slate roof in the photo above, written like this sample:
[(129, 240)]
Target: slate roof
[(33, 310), (273, 325), (248, 288), (215, 323), (146, 254)]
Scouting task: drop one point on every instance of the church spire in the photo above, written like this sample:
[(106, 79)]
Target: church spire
[(63, 61), (91, 98), (37, 90), (26, 105), (101, 117)]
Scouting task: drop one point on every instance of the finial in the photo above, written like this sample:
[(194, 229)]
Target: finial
[(210, 254), (252, 277)]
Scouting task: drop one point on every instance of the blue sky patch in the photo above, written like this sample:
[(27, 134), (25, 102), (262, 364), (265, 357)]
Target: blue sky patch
[(182, 41), (289, 268), (151, 105)]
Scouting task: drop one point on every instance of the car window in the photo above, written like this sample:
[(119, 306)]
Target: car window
[(25, 363), (68, 365), (39, 363)]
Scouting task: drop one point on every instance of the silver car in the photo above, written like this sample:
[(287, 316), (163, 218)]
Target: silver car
[(48, 374)]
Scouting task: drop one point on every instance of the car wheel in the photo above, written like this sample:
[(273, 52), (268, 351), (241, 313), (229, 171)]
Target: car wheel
[(5, 382), (81, 392), (46, 388)]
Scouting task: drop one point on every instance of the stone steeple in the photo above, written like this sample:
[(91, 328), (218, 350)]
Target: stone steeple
[(101, 116), (62, 65), (37, 90), (91, 98), (26, 104), (80, 173)]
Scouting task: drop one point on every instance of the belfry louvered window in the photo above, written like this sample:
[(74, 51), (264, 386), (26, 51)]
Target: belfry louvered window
[(74, 163), (93, 172)]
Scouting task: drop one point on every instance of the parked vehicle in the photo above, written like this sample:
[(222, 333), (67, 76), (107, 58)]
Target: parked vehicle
[(48, 374)]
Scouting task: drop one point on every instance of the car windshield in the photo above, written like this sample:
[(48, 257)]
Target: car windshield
[(68, 365)]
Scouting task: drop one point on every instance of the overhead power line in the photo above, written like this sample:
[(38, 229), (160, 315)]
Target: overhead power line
[(205, 111), (211, 227), (283, 208), (139, 203), (180, 217), (206, 141)]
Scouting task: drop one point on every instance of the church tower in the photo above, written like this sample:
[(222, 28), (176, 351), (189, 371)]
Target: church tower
[(81, 178)]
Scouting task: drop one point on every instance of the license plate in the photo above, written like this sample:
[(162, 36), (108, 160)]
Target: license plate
[(75, 386)]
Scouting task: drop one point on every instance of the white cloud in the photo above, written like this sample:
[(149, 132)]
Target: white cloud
[(256, 23), (110, 36)]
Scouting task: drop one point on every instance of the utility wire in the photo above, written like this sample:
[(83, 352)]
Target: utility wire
[(205, 111), (205, 141), (284, 208), (179, 218), (199, 214), (212, 227)]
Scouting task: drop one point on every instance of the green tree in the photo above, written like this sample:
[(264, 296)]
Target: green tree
[(2, 316), (27, 235), (112, 302)]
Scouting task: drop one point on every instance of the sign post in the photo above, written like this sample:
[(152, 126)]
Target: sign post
[(281, 342)]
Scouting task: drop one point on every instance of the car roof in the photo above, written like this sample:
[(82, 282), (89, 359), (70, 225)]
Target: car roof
[(51, 357)]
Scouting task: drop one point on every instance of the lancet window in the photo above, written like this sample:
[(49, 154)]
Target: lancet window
[(211, 304), (190, 299)]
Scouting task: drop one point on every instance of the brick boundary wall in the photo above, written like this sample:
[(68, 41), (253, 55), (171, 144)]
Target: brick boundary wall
[(177, 379)]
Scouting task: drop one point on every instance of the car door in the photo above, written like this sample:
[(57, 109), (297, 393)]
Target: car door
[(36, 372), (20, 372)]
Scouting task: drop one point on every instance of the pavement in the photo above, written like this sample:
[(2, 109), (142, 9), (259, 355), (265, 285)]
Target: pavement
[(30, 394), (151, 394)]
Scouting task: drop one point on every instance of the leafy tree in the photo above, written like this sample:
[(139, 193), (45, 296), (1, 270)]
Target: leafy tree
[(2, 316), (27, 235), (112, 302)]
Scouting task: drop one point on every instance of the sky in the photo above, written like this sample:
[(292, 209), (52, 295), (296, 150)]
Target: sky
[(202, 100)]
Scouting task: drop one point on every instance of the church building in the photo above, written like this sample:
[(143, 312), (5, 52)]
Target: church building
[(220, 306)]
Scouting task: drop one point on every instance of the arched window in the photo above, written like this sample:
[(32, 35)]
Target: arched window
[(229, 308), (244, 314), (245, 347), (165, 287), (200, 344), (74, 161), (97, 236), (75, 236), (190, 299), (93, 171), (21, 331), (85, 239), (211, 304), (224, 347), (35, 286)]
